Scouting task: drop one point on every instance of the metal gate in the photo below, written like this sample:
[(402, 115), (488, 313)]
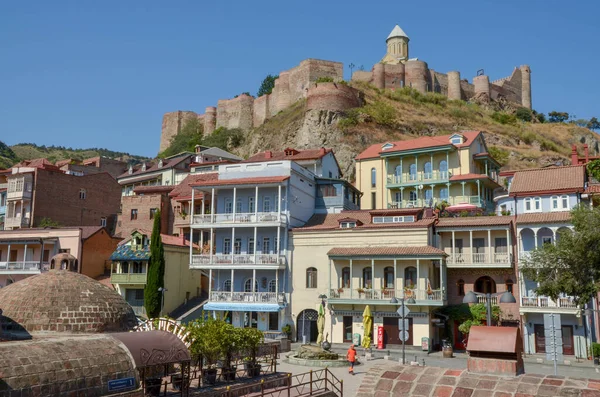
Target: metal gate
[(307, 325)]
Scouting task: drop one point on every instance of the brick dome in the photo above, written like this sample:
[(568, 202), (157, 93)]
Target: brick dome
[(64, 301)]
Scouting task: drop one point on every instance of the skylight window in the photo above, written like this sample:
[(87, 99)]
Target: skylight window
[(387, 146), (347, 225)]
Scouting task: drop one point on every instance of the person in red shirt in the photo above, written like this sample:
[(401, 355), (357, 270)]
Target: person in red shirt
[(351, 356)]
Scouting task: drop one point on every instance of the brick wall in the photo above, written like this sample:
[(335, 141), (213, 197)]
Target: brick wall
[(235, 113), (172, 124), (96, 252), (56, 196), (332, 96), (143, 204), (260, 110), (509, 88)]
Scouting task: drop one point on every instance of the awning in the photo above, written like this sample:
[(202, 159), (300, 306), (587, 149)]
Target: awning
[(243, 307), (154, 347)]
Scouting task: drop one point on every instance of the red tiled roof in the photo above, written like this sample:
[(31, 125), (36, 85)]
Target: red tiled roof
[(466, 177), (211, 163), (242, 181), (153, 189), (167, 163), (470, 221), (566, 178), (292, 154), (386, 251), (593, 189), (544, 217), (174, 240), (89, 231), (374, 151), (37, 163), (332, 221), (185, 190)]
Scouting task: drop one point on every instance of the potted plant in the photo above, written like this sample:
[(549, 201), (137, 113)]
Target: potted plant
[(251, 338), (231, 341), (207, 335), (183, 213), (595, 348), (360, 292), (287, 330)]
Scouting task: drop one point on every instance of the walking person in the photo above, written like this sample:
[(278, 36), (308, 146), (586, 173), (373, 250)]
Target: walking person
[(351, 357)]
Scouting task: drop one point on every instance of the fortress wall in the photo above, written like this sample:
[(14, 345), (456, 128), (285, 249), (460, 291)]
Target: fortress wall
[(235, 113), (210, 120), (332, 96), (416, 73), (468, 90), (172, 124), (482, 85), (260, 110), (362, 75), (509, 88), (280, 97), (309, 71), (454, 86), (394, 76), (379, 75), (440, 82), (525, 86)]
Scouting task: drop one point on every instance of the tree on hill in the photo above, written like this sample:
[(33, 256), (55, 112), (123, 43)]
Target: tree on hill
[(571, 266), (156, 272), (267, 85), (558, 117), (593, 124), (187, 139)]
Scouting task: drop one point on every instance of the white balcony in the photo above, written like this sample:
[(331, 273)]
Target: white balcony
[(206, 261), (241, 219), (483, 299), (16, 221), (247, 297), (20, 267), (544, 304), (479, 260), (421, 176), (380, 297)]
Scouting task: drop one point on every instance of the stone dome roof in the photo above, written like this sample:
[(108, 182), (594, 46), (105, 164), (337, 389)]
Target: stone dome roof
[(64, 301)]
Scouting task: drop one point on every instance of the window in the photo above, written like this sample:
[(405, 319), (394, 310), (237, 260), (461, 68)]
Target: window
[(248, 285), (272, 286), (134, 214), (429, 197), (388, 277), (227, 285), (266, 204), (546, 240), (427, 169), (393, 219), (533, 204), (273, 321), (412, 196), (103, 221), (45, 257), (456, 139), (410, 277), (153, 212), (124, 267), (251, 246), (478, 250), (398, 197), (367, 277), (346, 277), (555, 203), (139, 268), (311, 277), (373, 177), (398, 171), (444, 194), (250, 319), (412, 172), (560, 203), (565, 202), (82, 194), (444, 169), (238, 206), (460, 284), (250, 204), (228, 206), (347, 225), (328, 191), (266, 248), (509, 285), (373, 200), (237, 246), (227, 246)]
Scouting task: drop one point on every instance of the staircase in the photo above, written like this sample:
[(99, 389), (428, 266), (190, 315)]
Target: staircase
[(191, 310)]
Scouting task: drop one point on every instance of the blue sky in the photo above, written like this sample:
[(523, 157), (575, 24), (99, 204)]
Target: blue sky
[(102, 73)]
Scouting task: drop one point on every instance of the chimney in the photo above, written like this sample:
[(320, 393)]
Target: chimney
[(587, 153), (322, 151), (268, 154), (574, 156)]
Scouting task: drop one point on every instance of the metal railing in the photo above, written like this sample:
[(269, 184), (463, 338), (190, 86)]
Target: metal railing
[(258, 217), (545, 302), (421, 176), (479, 258), (241, 259), (483, 299), (26, 266), (261, 297), (386, 294)]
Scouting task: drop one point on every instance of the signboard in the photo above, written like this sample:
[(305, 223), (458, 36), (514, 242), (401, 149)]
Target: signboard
[(403, 324), (425, 344), (121, 384), (553, 338), (400, 310), (403, 335)]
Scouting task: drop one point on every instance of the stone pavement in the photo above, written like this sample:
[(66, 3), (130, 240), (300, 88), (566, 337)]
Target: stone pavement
[(386, 380)]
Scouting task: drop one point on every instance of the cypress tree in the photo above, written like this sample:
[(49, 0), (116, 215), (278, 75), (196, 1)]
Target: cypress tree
[(156, 272)]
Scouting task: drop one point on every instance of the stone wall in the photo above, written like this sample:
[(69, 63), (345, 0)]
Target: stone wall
[(172, 124), (332, 96), (236, 113), (143, 205)]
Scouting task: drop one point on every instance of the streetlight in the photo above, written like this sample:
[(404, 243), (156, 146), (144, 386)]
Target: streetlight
[(395, 301), (351, 66), (506, 297), (162, 290)]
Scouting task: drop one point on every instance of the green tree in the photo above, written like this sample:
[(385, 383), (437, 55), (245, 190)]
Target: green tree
[(186, 140), (558, 117), (478, 315), (593, 124), (267, 85), (524, 114), (571, 266), (48, 222), (156, 272), (224, 138)]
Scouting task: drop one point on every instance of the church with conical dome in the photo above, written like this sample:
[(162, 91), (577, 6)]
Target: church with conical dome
[(397, 47)]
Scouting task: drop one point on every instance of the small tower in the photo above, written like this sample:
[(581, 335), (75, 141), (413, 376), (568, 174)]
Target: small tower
[(397, 47)]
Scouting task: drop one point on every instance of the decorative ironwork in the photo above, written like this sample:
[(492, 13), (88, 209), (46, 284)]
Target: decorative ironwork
[(167, 325), (157, 356)]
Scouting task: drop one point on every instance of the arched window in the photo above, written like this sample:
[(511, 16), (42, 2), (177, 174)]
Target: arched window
[(311, 277), (227, 285), (444, 194), (412, 172), (272, 286), (388, 277), (410, 277), (82, 194), (460, 284), (367, 281), (248, 285), (444, 169), (373, 177), (412, 195), (485, 284), (429, 196), (509, 285), (346, 277), (398, 170), (427, 169)]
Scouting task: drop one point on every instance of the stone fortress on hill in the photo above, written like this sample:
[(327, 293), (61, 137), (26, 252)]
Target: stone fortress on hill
[(395, 70)]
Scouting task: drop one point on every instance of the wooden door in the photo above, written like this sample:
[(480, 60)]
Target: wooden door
[(459, 338), (347, 329), (540, 338), (567, 339), (391, 334)]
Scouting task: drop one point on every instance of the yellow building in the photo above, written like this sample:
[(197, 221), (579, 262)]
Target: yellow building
[(425, 171), (359, 258)]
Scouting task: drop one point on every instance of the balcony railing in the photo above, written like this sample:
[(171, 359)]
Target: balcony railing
[(421, 176), (483, 299), (386, 295), (422, 202), (21, 194), (241, 259), (248, 297), (259, 217), (16, 221), (479, 259), (128, 278), (545, 302), (21, 266)]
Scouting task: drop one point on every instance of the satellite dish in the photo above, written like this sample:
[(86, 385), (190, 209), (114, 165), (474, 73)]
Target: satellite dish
[(420, 187)]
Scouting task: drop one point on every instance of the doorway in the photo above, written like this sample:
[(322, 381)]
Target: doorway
[(567, 339), (307, 325), (391, 331), (347, 320), (540, 338), (485, 285)]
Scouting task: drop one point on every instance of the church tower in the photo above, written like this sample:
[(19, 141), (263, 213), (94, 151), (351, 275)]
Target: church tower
[(397, 47)]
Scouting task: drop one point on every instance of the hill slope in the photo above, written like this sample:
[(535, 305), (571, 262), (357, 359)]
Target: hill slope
[(407, 114), (7, 156)]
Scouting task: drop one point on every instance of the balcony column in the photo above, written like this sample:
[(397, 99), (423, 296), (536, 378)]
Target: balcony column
[(508, 245), (453, 254), (234, 202), (256, 205), (24, 256), (212, 244), (42, 256), (401, 172), (191, 223), (535, 240), (447, 165), (278, 243), (463, 189), (278, 201), (471, 244), (351, 280), (478, 189), (212, 206), (232, 283), (201, 238), (490, 246), (233, 244), (253, 287), (417, 167), (210, 280), (395, 275), (372, 274), (418, 286), (329, 290), (401, 197), (553, 235), (255, 244), (276, 282), (431, 162), (432, 193), (486, 167)]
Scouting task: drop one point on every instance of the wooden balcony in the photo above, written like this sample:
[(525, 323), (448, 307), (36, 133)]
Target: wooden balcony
[(247, 297), (241, 219), (479, 260), (128, 278), (206, 261), (382, 297), (406, 178), (543, 304), (20, 267)]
